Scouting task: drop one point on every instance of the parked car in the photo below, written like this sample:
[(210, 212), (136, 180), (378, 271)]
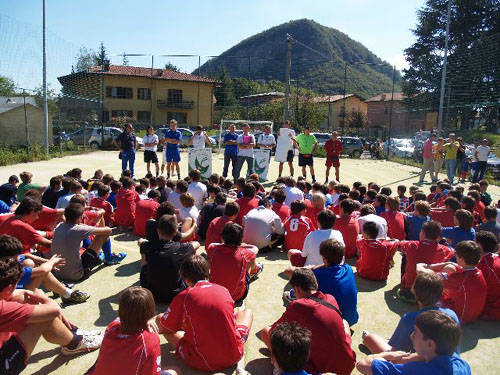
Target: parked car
[(403, 148), (494, 165), (353, 146), (322, 138), (186, 135), (93, 137)]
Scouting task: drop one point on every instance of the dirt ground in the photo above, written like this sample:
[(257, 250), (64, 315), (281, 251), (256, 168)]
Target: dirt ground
[(378, 306)]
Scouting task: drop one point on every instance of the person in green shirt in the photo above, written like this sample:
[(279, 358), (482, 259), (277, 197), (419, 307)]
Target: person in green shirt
[(450, 157), (306, 143), (26, 185)]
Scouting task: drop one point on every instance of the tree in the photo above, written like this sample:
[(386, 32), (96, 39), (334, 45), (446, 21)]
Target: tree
[(7, 86), (85, 59), (171, 66), (52, 99), (102, 57), (224, 94), (125, 59), (356, 119)]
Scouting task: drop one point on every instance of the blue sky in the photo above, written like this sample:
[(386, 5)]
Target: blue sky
[(183, 27)]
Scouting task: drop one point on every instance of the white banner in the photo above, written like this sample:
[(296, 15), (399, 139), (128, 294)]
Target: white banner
[(283, 144), (261, 162), (201, 159)]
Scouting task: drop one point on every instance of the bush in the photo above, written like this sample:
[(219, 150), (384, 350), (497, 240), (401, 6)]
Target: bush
[(20, 154)]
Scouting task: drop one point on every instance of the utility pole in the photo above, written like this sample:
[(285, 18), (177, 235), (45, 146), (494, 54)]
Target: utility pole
[(44, 74), (390, 113), (443, 75), (345, 88), (288, 65)]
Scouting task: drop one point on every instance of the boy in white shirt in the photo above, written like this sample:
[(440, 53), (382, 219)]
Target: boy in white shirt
[(197, 189), (199, 138), (150, 146)]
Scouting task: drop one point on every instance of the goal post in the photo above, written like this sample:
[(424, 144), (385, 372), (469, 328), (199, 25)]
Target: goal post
[(256, 125)]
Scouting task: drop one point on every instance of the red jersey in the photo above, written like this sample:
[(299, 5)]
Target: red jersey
[(374, 258), (103, 204), (144, 210), (395, 224), (479, 208), (490, 267), (47, 219), (349, 227), (205, 312), (90, 217), (465, 293), (327, 330), (13, 318), (445, 217), (333, 148), (297, 228), (246, 204), (125, 207), (214, 231), (122, 353), (425, 251), (23, 231), (312, 213), (282, 210), (228, 267)]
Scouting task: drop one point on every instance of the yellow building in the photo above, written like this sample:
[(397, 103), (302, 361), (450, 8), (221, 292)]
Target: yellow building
[(149, 96), (334, 106)]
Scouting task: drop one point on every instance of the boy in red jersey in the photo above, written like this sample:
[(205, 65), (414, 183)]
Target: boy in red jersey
[(214, 231), (101, 201), (126, 199), (128, 344), (427, 251), (348, 226), (374, 256), (446, 215), (279, 206), (200, 316), (145, 209), (316, 205), (490, 267), (232, 264), (247, 202), (333, 149), (395, 219), (464, 284), (297, 227), (478, 206), (48, 217)]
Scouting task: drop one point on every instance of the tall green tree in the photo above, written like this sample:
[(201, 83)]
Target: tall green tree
[(7, 86), (85, 59), (102, 56), (171, 66)]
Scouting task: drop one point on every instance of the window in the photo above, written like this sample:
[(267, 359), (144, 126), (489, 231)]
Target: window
[(122, 113), (105, 116), (143, 116), (144, 93), (174, 96), (119, 92), (181, 117)]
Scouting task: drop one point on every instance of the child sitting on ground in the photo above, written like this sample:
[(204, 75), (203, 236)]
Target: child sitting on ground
[(379, 203), (446, 215), (214, 231), (463, 230), (490, 267), (417, 219), (374, 255), (115, 187), (128, 343), (297, 227), (145, 209), (395, 219), (126, 199), (101, 201), (464, 284), (347, 224), (491, 224), (188, 213)]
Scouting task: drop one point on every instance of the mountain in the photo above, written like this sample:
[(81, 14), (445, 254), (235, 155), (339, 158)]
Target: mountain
[(317, 63)]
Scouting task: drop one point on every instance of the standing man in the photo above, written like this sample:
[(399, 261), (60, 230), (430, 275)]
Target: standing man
[(127, 143), (289, 155), (266, 140), (437, 154), (333, 149), (150, 144), (306, 143), (246, 143), (428, 160), (450, 157), (230, 151), (481, 153), (173, 138), (199, 138)]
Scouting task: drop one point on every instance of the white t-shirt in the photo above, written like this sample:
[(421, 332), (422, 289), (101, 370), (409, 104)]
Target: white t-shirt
[(63, 201), (199, 140), (259, 224), (266, 139), (174, 198), (199, 192), (314, 240), (150, 139), (379, 221), (292, 194), (482, 152), (246, 139), (186, 212)]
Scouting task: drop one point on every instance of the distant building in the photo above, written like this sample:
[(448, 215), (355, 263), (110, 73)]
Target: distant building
[(262, 98), (14, 120), (149, 96), (334, 105)]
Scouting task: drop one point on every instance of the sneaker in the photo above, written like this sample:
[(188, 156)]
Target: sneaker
[(255, 276), (101, 257), (115, 259), (76, 297), (88, 344), (405, 298), (288, 297), (86, 332)]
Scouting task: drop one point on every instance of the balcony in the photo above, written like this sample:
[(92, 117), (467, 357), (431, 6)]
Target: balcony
[(185, 104)]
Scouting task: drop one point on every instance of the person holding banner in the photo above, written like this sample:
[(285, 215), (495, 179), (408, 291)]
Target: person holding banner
[(173, 138), (246, 143), (290, 153), (230, 151), (199, 138), (306, 143), (333, 149)]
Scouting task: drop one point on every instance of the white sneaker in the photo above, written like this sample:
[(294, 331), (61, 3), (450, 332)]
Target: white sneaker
[(88, 332), (88, 344)]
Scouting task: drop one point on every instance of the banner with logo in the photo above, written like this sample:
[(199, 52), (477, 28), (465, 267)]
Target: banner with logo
[(200, 159), (261, 162)]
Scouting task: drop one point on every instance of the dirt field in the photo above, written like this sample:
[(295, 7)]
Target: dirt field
[(378, 307)]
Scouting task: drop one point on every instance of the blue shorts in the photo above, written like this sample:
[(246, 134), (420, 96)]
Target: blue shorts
[(173, 156), (25, 278)]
